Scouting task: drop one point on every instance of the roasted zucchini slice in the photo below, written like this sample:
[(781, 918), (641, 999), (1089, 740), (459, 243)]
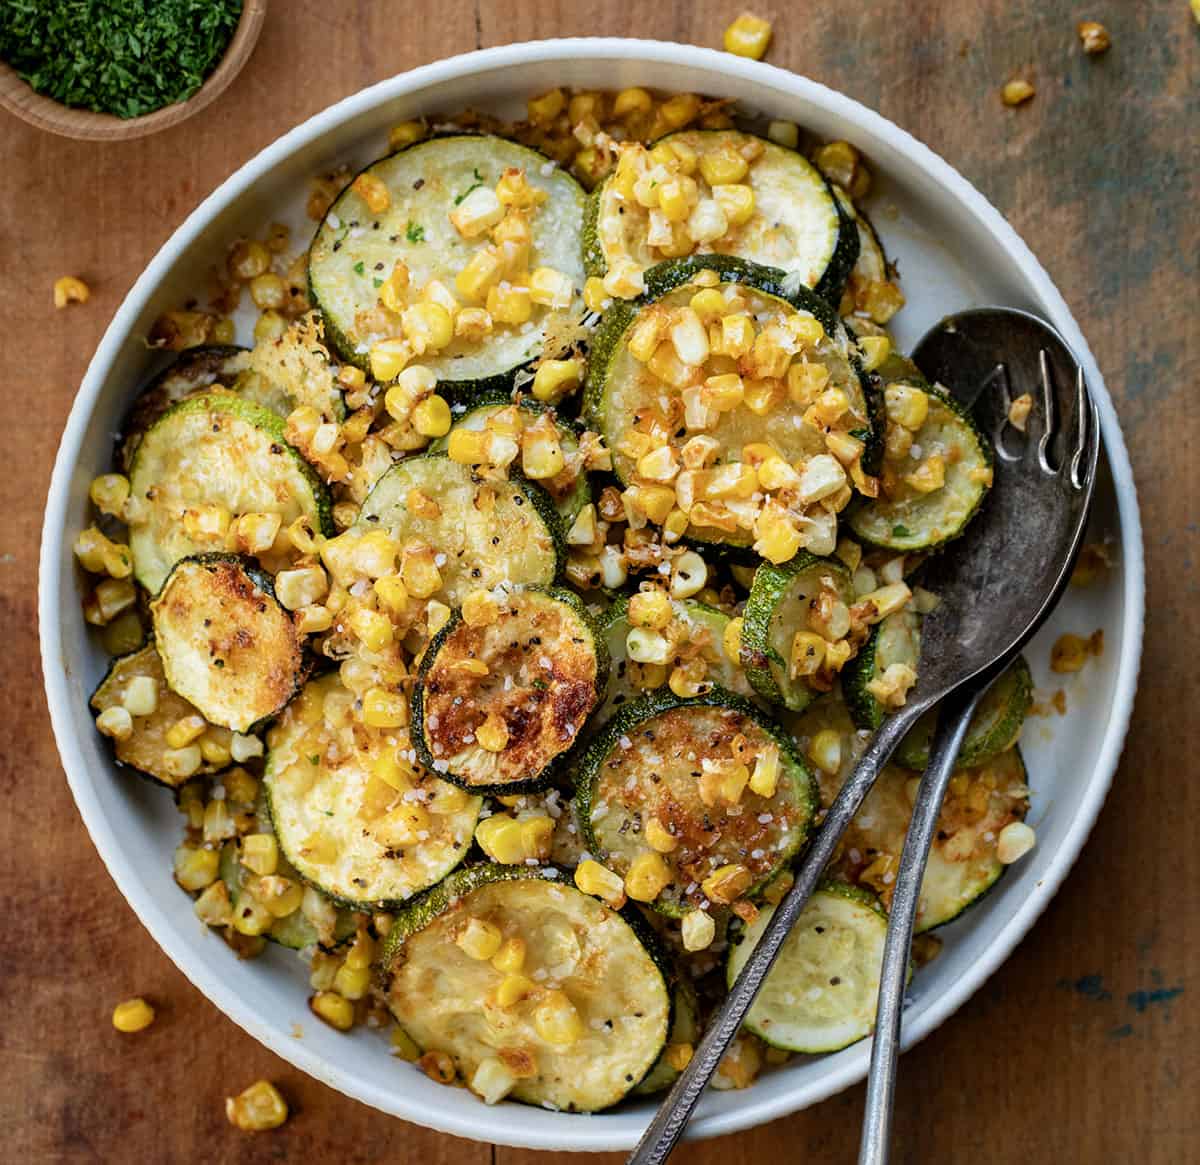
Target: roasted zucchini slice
[(569, 489), (796, 226), (226, 642), (191, 372), (356, 248), (767, 397), (213, 450), (490, 532), (993, 729), (592, 1004), (820, 994), (496, 704), (350, 811), (696, 639), (895, 641), (685, 1030), (684, 764), (871, 291), (807, 596), (312, 923), (146, 749), (934, 476)]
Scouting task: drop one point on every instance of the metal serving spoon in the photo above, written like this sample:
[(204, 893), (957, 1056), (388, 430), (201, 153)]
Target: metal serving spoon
[(997, 586)]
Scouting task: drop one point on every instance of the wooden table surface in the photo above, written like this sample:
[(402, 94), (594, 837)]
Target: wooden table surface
[(1082, 1047)]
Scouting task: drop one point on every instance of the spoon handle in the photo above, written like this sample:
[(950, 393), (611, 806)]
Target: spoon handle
[(672, 1116), (954, 717)]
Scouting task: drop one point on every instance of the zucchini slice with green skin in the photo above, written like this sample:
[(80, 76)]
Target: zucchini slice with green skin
[(346, 829), (146, 748), (685, 1029), (191, 372), (798, 228), (227, 643), (491, 533), (607, 964), (292, 370), (894, 640), (904, 519), (820, 994), (214, 449), (697, 628), (296, 930), (993, 729), (622, 391), (648, 762), (355, 250), (570, 489), (544, 668), (781, 598)]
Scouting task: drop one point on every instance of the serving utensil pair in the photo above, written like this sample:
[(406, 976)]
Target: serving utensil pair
[(996, 589)]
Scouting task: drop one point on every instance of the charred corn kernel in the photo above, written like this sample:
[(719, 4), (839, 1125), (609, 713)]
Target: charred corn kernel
[(929, 476), (737, 335), (248, 259), (631, 101), (259, 1108), (658, 465), (140, 697), (688, 679), (509, 305), (723, 393), (371, 189), (115, 722), (722, 782), (218, 820), (333, 1009), (438, 1066), (479, 939), (492, 734), (840, 162), (213, 907), (731, 640), (875, 350), (191, 805), (650, 609), (195, 868), (472, 324), (1093, 36), (678, 1056), (269, 291), (551, 288), (546, 107), (624, 280), (708, 303), (184, 731), (260, 853), (301, 587), (647, 877), (784, 133), (706, 223), (541, 452), (108, 600), (557, 1020), (394, 292), (206, 522), (655, 501), (271, 325), (281, 896), (748, 36), (404, 134), (431, 418), (737, 203), (437, 615), (427, 327), (510, 958), (645, 336), (1014, 841), (392, 593), (688, 575), (658, 837), (676, 197), (480, 609), (403, 825), (727, 883), (492, 1081), (512, 989), (352, 982), (1068, 654), (132, 1015), (482, 272), (513, 189), (593, 878), (373, 629), (388, 359), (764, 779), (825, 750), (109, 493), (213, 750), (646, 646), (595, 297), (70, 289), (384, 709), (500, 837), (554, 379), (585, 105), (422, 505), (469, 446), (807, 655), (1017, 92), (722, 166), (419, 571), (403, 1047), (678, 110), (697, 930)]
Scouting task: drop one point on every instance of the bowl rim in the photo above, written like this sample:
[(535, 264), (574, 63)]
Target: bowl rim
[(42, 112), (479, 1123)]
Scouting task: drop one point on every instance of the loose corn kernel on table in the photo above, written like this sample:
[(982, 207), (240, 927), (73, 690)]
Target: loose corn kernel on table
[(1081, 1048)]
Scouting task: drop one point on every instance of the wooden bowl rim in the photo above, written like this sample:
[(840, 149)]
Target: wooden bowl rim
[(86, 125)]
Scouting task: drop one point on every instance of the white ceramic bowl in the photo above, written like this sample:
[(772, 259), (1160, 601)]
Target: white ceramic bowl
[(954, 250)]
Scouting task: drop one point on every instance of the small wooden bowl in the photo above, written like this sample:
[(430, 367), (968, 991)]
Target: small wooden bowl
[(45, 113)]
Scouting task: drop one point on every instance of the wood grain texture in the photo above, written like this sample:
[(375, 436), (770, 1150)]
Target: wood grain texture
[(1077, 1050)]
